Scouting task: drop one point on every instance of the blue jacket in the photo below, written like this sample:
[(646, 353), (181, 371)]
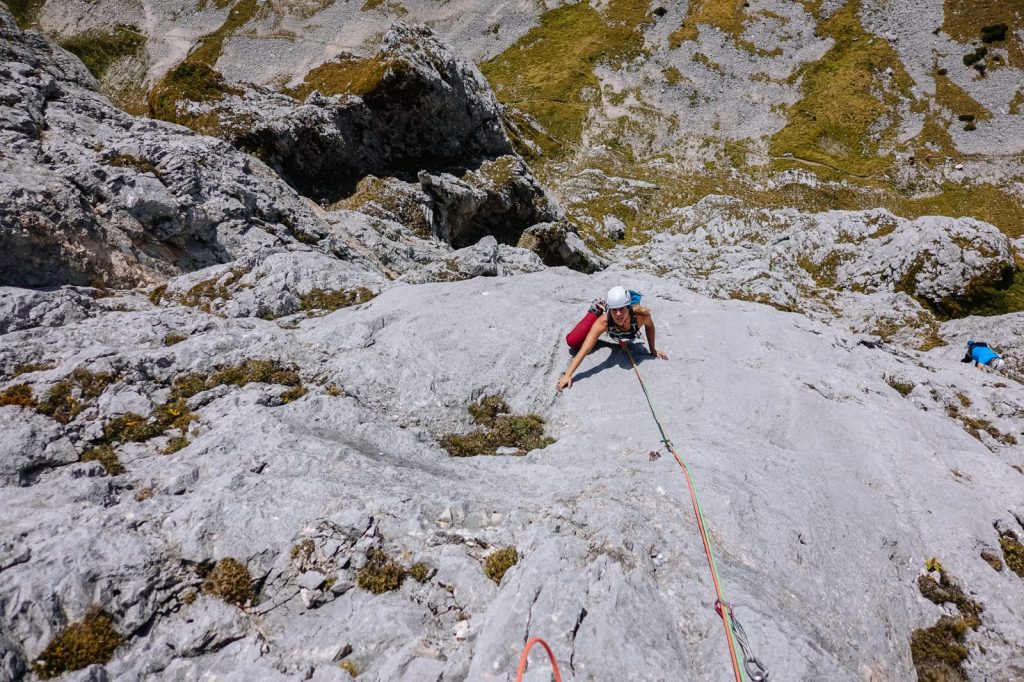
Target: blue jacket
[(982, 355)]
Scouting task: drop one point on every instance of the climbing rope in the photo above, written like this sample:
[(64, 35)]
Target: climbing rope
[(734, 633), (526, 654)]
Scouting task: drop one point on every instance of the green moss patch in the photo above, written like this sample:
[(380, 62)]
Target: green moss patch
[(68, 397), (345, 74), (945, 590), (938, 652), (99, 49), (902, 387), (1013, 553), (230, 581), (19, 395), (25, 11), (176, 443), (419, 572), (549, 72), (327, 300), (174, 338), (992, 559), (92, 640), (498, 563), (381, 573), (194, 82), (525, 433), (29, 367), (105, 455)]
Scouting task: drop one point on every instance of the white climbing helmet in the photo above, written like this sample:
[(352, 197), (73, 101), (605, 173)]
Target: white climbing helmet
[(618, 297), (997, 364)]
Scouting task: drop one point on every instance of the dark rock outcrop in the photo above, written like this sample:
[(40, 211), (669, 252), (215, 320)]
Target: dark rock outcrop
[(412, 106), (90, 195)]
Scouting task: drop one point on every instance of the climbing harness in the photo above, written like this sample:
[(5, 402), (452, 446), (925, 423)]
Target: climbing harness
[(734, 634), (526, 654)]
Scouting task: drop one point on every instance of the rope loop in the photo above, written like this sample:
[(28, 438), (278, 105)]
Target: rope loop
[(524, 658)]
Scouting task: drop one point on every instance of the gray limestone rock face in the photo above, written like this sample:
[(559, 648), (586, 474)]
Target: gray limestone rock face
[(856, 487), (862, 267), (558, 244), (422, 108), (104, 198), (31, 444), (500, 198)]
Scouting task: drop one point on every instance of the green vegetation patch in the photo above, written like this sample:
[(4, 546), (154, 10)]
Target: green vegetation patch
[(25, 11), (939, 651), (345, 74), (207, 292), (29, 367), (902, 387), (174, 338), (105, 455), (194, 82), (549, 72), (525, 433), (325, 299), (1013, 553), (19, 395), (498, 563), (945, 590), (992, 559), (845, 96), (991, 22), (176, 443), (130, 428), (381, 573), (419, 572), (230, 581), (68, 397), (99, 49), (92, 640)]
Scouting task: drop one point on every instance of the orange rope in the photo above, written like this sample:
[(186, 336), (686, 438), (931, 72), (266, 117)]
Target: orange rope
[(526, 654)]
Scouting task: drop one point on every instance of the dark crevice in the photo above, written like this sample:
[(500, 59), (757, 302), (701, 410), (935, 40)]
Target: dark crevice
[(576, 629)]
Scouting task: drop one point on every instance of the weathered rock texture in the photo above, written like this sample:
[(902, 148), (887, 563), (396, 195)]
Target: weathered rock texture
[(91, 195), (825, 263), (855, 488), (410, 107)]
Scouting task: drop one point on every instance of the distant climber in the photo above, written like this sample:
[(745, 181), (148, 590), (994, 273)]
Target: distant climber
[(620, 316), (981, 355)]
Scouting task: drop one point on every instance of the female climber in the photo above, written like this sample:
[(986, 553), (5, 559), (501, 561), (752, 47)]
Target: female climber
[(622, 322)]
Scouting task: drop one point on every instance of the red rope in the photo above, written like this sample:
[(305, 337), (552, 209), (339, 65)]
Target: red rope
[(526, 654)]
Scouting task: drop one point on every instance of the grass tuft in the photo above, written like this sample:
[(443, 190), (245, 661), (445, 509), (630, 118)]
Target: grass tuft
[(498, 563), (381, 573), (99, 49), (105, 455), (19, 395), (92, 640), (525, 432), (230, 581)]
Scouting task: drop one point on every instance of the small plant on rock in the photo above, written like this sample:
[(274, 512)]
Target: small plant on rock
[(105, 455), (19, 395), (1013, 552), (174, 338), (522, 432), (419, 572), (381, 573), (497, 563), (230, 581), (90, 641)]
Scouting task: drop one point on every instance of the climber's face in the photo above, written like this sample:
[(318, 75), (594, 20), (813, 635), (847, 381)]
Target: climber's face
[(620, 315)]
